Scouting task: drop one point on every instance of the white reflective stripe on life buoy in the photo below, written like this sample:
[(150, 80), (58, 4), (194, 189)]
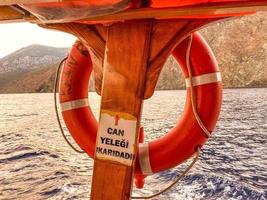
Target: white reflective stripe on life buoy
[(70, 105), (144, 159), (204, 79)]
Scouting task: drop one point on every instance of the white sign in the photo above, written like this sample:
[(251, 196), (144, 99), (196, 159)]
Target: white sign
[(116, 138)]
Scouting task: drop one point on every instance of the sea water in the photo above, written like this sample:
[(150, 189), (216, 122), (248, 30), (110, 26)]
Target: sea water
[(36, 163)]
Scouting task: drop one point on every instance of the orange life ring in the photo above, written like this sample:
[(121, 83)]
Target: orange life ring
[(181, 141)]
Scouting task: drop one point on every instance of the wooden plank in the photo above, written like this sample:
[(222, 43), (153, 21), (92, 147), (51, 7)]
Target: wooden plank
[(167, 31), (122, 96), (213, 10), (9, 14), (102, 30), (171, 33), (13, 2)]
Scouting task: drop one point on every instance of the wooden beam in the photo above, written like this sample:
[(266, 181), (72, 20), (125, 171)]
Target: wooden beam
[(209, 10), (171, 33), (9, 14), (215, 10), (13, 2), (125, 64), (102, 31)]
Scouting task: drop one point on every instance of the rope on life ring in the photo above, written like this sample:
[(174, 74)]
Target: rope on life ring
[(56, 110)]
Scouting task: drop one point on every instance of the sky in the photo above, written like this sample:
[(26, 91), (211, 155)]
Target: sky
[(17, 35)]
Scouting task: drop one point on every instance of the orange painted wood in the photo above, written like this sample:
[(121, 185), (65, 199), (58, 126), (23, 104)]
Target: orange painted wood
[(171, 33), (125, 64), (12, 2), (9, 14), (203, 11), (180, 3), (198, 11)]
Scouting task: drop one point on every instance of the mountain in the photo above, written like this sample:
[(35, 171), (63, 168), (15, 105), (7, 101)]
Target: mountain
[(31, 57), (239, 45), (37, 80), (30, 69)]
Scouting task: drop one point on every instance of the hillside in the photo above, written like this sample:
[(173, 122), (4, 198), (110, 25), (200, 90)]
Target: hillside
[(31, 57), (240, 46), (30, 69), (37, 80)]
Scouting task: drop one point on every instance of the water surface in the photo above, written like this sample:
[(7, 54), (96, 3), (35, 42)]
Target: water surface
[(36, 163)]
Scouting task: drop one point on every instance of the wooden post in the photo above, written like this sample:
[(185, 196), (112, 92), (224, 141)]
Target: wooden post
[(126, 58)]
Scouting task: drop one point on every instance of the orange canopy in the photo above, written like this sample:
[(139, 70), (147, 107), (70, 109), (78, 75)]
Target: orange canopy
[(74, 10), (177, 3)]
